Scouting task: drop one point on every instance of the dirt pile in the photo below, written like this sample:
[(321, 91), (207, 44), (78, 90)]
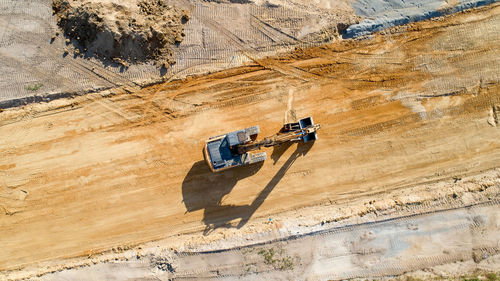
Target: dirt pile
[(125, 32)]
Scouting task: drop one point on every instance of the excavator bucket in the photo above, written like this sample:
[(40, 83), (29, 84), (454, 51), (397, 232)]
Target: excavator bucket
[(304, 123)]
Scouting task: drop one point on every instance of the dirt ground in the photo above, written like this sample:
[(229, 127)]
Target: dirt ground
[(128, 32), (37, 62), (369, 250), (115, 169)]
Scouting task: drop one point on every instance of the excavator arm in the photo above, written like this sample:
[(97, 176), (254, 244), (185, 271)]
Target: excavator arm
[(236, 148), (278, 139)]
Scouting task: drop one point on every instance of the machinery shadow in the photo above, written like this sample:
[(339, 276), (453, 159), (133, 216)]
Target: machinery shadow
[(202, 189), (279, 150)]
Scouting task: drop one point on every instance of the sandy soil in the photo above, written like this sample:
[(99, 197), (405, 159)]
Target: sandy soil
[(116, 169), (381, 14), (128, 32), (454, 237), (37, 65)]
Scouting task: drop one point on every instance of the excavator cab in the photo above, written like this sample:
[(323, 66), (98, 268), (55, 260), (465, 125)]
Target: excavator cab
[(221, 152)]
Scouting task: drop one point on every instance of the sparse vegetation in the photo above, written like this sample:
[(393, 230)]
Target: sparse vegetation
[(272, 257), (268, 256), (35, 87), (287, 263), (492, 276)]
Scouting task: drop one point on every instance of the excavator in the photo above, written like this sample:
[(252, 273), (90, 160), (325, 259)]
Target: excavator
[(237, 148)]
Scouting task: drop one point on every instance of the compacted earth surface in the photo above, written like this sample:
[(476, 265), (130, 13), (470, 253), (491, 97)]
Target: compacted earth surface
[(50, 49), (403, 182), (124, 32)]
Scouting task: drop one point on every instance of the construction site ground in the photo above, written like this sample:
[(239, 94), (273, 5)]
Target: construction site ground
[(32, 47), (410, 126)]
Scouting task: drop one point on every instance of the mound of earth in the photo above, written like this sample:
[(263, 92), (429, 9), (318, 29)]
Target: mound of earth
[(123, 31)]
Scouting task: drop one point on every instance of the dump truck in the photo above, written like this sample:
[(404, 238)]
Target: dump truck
[(239, 148)]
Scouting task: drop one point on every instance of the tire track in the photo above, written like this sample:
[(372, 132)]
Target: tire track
[(88, 68), (355, 230), (274, 34)]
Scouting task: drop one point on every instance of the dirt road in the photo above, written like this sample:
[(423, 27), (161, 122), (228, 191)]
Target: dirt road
[(391, 247), (113, 170)]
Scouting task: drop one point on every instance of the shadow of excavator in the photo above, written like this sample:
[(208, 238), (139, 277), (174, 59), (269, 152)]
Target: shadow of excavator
[(202, 189)]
